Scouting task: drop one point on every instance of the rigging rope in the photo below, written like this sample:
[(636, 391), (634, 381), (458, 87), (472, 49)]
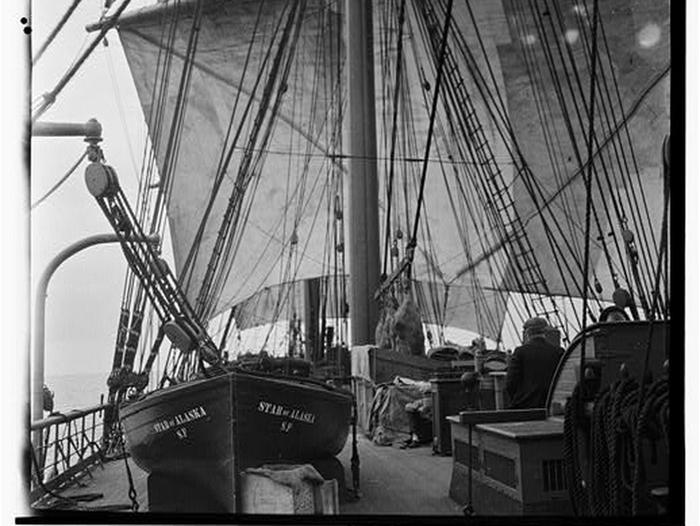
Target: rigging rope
[(589, 202), (55, 31), (438, 82), (62, 180), (397, 85), (245, 175), (50, 97)]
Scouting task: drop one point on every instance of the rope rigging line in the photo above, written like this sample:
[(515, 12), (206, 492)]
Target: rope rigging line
[(475, 285), (453, 95), (533, 215), (134, 300), (627, 133), (391, 160), (134, 303), (603, 165), (296, 270), (535, 192), (498, 112), (546, 119), (589, 179), (286, 274), (607, 121), (300, 208), (475, 162), (438, 82), (569, 242), (233, 210), (578, 83), (55, 31), (120, 109), (175, 132), (224, 163), (482, 152), (50, 97), (632, 199), (62, 180), (630, 113)]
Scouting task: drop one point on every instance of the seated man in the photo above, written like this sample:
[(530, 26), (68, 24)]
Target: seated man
[(420, 419), (532, 366)]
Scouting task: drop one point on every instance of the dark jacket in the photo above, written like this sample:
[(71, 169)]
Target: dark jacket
[(530, 373)]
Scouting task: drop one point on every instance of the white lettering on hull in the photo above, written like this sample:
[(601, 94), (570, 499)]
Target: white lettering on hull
[(295, 414), (180, 419)]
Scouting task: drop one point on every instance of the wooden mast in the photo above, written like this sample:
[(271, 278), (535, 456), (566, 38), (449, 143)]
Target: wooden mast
[(363, 221), (312, 311)]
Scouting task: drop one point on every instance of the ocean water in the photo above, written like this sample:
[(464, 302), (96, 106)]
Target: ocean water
[(77, 391)]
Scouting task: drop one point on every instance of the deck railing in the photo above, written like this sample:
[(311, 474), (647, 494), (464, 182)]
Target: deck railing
[(70, 443)]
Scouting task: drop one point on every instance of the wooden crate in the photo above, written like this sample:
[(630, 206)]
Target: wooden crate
[(262, 495), (517, 467), (385, 365)]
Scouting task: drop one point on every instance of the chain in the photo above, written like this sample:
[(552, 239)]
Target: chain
[(132, 490)]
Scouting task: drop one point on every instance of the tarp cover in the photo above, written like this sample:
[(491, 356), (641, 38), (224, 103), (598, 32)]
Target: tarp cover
[(389, 421)]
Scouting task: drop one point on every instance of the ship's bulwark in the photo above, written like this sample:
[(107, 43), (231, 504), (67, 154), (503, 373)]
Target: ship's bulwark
[(199, 433)]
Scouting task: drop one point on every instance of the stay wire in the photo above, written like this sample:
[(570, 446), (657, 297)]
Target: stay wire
[(398, 82), (433, 110), (552, 139), (530, 183), (591, 132), (591, 115), (131, 305), (630, 192), (50, 97), (482, 198), (606, 173)]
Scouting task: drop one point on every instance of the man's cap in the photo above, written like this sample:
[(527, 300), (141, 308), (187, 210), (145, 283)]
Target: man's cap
[(536, 325)]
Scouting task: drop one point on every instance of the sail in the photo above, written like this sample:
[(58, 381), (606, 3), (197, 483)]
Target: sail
[(508, 131), (292, 210), (547, 67), (287, 204)]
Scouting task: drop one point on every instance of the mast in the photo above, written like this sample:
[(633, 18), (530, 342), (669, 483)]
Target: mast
[(363, 223), (312, 301)]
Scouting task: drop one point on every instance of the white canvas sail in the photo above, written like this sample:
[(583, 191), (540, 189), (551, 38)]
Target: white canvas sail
[(291, 210), (226, 31), (633, 62)]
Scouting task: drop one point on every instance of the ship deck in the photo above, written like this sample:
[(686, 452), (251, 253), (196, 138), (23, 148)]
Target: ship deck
[(393, 481)]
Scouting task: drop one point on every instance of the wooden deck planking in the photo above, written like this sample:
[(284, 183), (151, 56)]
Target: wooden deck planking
[(400, 481), (392, 481)]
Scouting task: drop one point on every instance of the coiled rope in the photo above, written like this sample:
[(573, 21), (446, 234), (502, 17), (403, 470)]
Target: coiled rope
[(616, 444)]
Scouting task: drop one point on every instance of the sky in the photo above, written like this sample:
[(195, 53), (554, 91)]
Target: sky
[(84, 294)]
